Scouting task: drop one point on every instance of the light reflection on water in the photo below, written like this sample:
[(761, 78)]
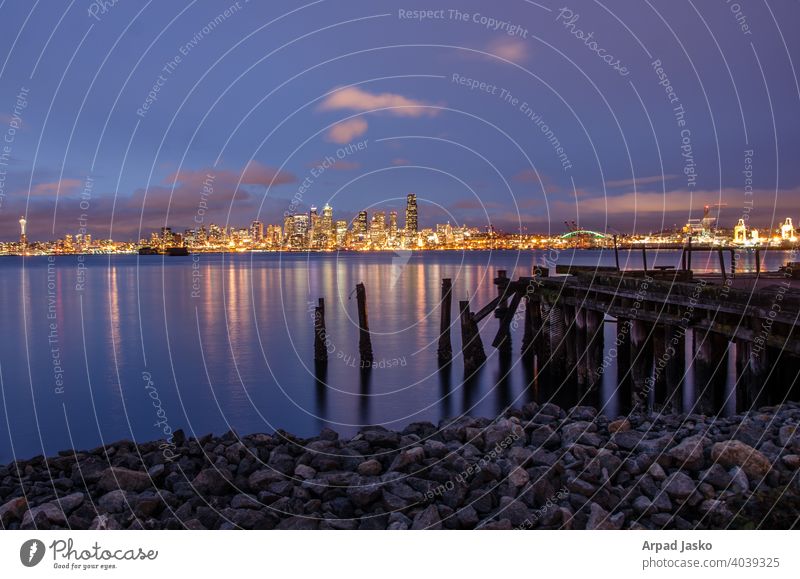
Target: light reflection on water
[(232, 345)]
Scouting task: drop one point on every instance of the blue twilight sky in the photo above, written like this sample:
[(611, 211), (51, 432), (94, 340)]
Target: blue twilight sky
[(573, 120)]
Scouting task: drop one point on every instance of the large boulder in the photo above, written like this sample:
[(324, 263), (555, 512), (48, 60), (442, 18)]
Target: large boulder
[(732, 453)]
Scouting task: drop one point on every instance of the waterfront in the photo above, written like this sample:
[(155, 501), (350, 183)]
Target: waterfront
[(104, 348)]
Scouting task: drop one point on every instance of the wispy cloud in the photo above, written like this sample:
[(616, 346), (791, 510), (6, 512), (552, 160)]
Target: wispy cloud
[(356, 99), (513, 49), (639, 181), (348, 130)]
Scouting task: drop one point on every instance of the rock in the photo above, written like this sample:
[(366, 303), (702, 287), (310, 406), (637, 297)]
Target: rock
[(788, 434), (792, 461), (370, 468), (518, 477), (689, 453), (739, 482), (261, 479), (678, 485), (104, 523), (619, 425), (212, 481), (428, 519), (118, 478), (71, 502), (599, 518), (627, 439), (12, 510), (304, 472), (716, 476), (244, 501), (656, 472), (643, 506), (49, 511), (113, 502), (732, 453), (408, 457)]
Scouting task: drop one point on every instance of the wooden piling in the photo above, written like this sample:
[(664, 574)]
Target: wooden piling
[(675, 341), (595, 322), (689, 254), (641, 366), (364, 339), (471, 343), (320, 337), (445, 351), (758, 261), (644, 258), (722, 265), (616, 251)]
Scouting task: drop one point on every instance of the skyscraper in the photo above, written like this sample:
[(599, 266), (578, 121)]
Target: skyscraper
[(360, 226), (411, 219), (393, 227), (257, 231)]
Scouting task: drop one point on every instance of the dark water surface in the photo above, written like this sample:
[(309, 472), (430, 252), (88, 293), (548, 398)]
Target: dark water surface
[(100, 348)]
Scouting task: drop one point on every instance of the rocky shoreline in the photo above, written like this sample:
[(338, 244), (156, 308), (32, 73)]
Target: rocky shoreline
[(541, 467)]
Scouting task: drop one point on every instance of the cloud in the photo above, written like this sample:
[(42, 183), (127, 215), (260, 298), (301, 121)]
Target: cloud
[(638, 181), (254, 173), (513, 49), (62, 187), (399, 161), (348, 130), (356, 99)]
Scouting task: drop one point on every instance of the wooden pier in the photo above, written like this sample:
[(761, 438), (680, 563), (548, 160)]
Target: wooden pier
[(667, 325)]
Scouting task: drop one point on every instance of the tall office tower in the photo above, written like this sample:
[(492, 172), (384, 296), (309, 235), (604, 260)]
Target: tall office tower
[(327, 219), (23, 236), (166, 235), (341, 232), (411, 219), (288, 228), (257, 231), (392, 226), (301, 230), (215, 232), (360, 226), (377, 229)]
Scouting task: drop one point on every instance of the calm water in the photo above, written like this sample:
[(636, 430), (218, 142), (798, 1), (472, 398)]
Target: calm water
[(94, 346)]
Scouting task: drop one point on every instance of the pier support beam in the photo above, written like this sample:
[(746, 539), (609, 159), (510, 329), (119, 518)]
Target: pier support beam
[(364, 339), (502, 340), (641, 366), (704, 364), (595, 322), (471, 343), (555, 323), (752, 367), (675, 347), (445, 351), (583, 366), (320, 337)]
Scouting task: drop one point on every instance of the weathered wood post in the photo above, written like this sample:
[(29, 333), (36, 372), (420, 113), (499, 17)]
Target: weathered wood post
[(644, 258), (503, 340), (641, 366), (689, 253), (758, 261), (675, 340), (531, 327), (583, 366), (595, 322), (704, 366), (320, 337), (364, 339), (733, 264), (722, 265), (445, 351), (471, 343), (616, 252), (570, 353)]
